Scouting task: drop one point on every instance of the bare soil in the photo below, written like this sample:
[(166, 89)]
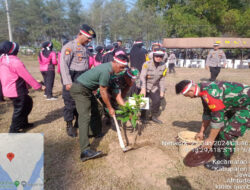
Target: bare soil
[(151, 165)]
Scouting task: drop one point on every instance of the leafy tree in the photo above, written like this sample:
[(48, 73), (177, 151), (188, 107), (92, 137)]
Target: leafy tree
[(55, 23), (151, 20), (97, 20), (19, 21), (56, 45), (116, 15), (244, 24), (74, 17), (3, 23)]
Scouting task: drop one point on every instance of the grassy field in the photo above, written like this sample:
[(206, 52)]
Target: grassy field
[(151, 166)]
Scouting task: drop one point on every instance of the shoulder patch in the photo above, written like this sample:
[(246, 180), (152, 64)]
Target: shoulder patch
[(213, 103), (67, 51), (165, 72)]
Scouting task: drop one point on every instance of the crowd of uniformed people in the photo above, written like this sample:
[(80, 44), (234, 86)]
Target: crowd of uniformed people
[(109, 75)]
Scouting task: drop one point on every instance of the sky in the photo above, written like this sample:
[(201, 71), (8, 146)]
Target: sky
[(87, 3)]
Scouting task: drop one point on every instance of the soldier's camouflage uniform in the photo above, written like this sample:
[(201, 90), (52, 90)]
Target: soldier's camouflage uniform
[(227, 106), (117, 84)]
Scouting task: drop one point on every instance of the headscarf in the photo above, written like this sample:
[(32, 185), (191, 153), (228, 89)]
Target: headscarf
[(109, 54), (46, 48), (9, 48), (99, 50), (137, 55)]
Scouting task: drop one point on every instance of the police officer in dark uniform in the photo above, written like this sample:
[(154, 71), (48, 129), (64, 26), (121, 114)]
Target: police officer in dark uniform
[(74, 61)]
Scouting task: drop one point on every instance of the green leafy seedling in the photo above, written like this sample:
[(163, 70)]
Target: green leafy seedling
[(131, 112)]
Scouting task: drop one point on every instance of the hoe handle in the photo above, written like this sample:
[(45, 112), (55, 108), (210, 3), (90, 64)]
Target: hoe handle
[(119, 134)]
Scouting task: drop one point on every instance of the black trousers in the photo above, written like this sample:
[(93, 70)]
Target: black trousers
[(154, 105), (1, 93), (155, 101), (214, 73), (171, 67), (22, 108), (69, 111), (48, 77)]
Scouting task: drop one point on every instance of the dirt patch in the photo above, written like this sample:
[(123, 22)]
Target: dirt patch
[(146, 161), (151, 165)]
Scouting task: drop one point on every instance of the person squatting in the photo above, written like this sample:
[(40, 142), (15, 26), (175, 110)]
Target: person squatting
[(226, 108)]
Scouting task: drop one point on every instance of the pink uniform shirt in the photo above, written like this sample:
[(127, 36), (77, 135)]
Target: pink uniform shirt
[(14, 77)]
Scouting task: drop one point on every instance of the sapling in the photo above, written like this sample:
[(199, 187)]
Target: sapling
[(131, 113)]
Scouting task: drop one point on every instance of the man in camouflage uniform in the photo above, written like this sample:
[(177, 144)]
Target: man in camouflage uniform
[(73, 62), (152, 79), (214, 59), (119, 85), (226, 110)]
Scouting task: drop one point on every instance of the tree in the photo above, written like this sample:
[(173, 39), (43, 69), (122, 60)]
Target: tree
[(244, 24), (3, 23), (97, 20), (55, 22), (115, 17), (74, 17), (35, 19), (151, 20)]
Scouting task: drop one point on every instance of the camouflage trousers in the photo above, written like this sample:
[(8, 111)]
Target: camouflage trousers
[(234, 127)]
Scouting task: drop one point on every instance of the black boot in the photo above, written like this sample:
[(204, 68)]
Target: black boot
[(90, 154), (97, 136), (71, 131), (14, 130), (27, 126), (156, 120), (220, 162)]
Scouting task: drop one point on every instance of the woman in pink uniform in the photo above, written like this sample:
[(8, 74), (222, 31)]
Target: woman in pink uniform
[(59, 58), (97, 58), (15, 79), (58, 61), (47, 61)]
